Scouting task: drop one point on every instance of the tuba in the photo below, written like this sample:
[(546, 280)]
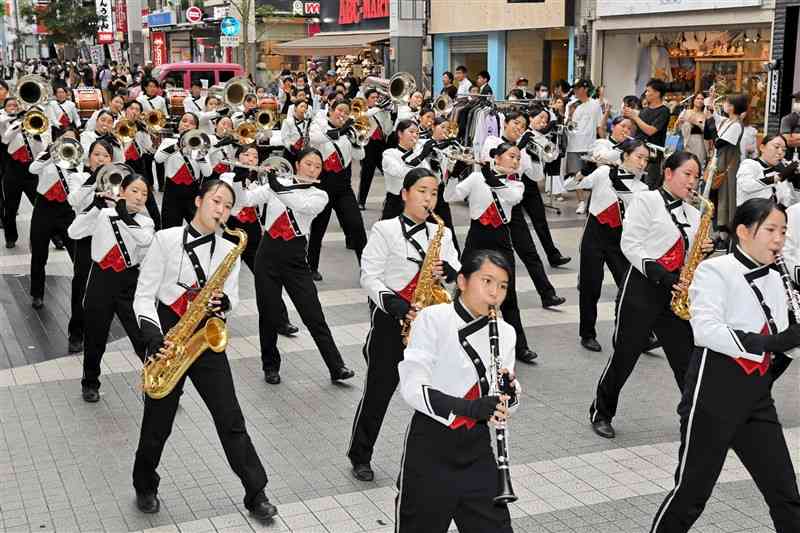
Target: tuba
[(188, 337), (680, 299), (110, 177), (66, 153), (33, 90), (125, 131), (195, 140), (35, 122), (429, 290)]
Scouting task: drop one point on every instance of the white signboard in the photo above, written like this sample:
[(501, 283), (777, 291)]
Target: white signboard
[(97, 55), (228, 41), (105, 22), (610, 8)]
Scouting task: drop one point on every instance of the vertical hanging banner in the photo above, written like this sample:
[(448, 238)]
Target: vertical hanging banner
[(121, 19), (105, 24), (158, 47)]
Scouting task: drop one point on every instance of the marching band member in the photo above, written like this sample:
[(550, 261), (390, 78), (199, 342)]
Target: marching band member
[(82, 192), (334, 139), (22, 149), (120, 236), (291, 204), (380, 120), (195, 102), (397, 162), (607, 149), (51, 216), (613, 188), (104, 129), (410, 111), (791, 248), (211, 114), (766, 177), (223, 147), (162, 297), (115, 107), (137, 153), (62, 112), (491, 196), (248, 112), (438, 162), (657, 232), (184, 175), (151, 99), (426, 116), (448, 470), (743, 335), (390, 270), (294, 130), (515, 132)]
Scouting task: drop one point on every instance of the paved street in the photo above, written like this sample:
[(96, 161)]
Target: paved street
[(65, 465)]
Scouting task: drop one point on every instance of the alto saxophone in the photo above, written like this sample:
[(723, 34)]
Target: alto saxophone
[(162, 372), (428, 290), (680, 299)]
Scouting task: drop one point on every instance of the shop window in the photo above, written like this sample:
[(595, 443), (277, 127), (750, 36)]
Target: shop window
[(225, 75), (174, 80), (200, 75)]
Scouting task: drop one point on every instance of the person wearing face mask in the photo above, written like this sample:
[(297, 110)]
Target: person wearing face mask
[(744, 337), (382, 124), (491, 193), (390, 269), (767, 177), (184, 173), (613, 187), (790, 129), (658, 231)]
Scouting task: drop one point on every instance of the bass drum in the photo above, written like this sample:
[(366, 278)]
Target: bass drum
[(88, 101), (174, 98)]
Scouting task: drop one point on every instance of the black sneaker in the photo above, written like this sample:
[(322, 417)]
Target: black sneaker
[(261, 508), (147, 502), (316, 276), (288, 330), (11, 244), (272, 377), (363, 472), (527, 356), (604, 428), (558, 260), (342, 374), (37, 303), (553, 301), (91, 394), (592, 345)]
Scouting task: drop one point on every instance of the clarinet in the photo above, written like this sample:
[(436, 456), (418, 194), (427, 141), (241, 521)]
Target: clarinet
[(505, 492), (788, 285)]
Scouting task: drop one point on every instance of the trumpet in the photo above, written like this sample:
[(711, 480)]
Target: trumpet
[(543, 147), (66, 153), (125, 130), (155, 121), (362, 129), (35, 122), (358, 106), (281, 166), (195, 140), (110, 177)]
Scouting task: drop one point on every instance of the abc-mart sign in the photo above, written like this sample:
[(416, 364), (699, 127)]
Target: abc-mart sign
[(610, 8), (305, 9)]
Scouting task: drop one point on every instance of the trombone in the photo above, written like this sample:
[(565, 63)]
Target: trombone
[(66, 153), (125, 131), (246, 132), (265, 119), (195, 141), (35, 122)]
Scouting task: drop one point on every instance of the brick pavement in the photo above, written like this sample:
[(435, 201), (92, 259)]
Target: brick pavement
[(65, 465)]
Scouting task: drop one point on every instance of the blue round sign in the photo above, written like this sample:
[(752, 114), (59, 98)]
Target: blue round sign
[(230, 26)]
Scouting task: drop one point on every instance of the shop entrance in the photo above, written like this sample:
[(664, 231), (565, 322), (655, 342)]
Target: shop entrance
[(470, 51), (555, 61)]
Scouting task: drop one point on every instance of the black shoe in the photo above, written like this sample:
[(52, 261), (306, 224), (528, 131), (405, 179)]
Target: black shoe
[(75, 346), (363, 472), (288, 330), (91, 394), (342, 374), (272, 377), (11, 244), (558, 260), (147, 502), (527, 356), (553, 301), (316, 276), (592, 345), (262, 509), (58, 242), (652, 343), (604, 429), (37, 303), (362, 207)]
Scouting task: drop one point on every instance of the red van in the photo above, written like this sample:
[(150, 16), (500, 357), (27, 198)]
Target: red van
[(181, 75)]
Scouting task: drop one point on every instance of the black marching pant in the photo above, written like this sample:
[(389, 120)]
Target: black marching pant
[(599, 246), (448, 474), (443, 210), (642, 308), (342, 200), (383, 351), (81, 265), (486, 237), (177, 205), (533, 204), (723, 408), (211, 376), (50, 219), (392, 206), (108, 293), (280, 264), (526, 249), (17, 180), (373, 158)]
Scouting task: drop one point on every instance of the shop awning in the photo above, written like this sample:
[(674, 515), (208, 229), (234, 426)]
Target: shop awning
[(333, 44)]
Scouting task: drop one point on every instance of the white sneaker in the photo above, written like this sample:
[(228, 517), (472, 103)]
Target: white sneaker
[(581, 208)]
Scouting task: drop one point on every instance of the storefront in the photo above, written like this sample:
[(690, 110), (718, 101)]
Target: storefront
[(353, 36), (688, 45), (785, 62), (509, 40)]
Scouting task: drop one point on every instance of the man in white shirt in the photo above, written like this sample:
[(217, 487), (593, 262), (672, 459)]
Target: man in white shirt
[(587, 115), (462, 82)]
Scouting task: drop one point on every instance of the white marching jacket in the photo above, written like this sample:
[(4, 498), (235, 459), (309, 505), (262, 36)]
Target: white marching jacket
[(116, 244), (22, 147), (527, 167), (89, 137), (756, 179), (53, 181), (791, 246), (337, 154), (448, 352), (290, 209), (150, 104), (181, 169), (489, 205), (62, 114), (395, 167), (613, 189)]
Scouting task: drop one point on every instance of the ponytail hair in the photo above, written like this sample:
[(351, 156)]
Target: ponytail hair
[(500, 149)]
